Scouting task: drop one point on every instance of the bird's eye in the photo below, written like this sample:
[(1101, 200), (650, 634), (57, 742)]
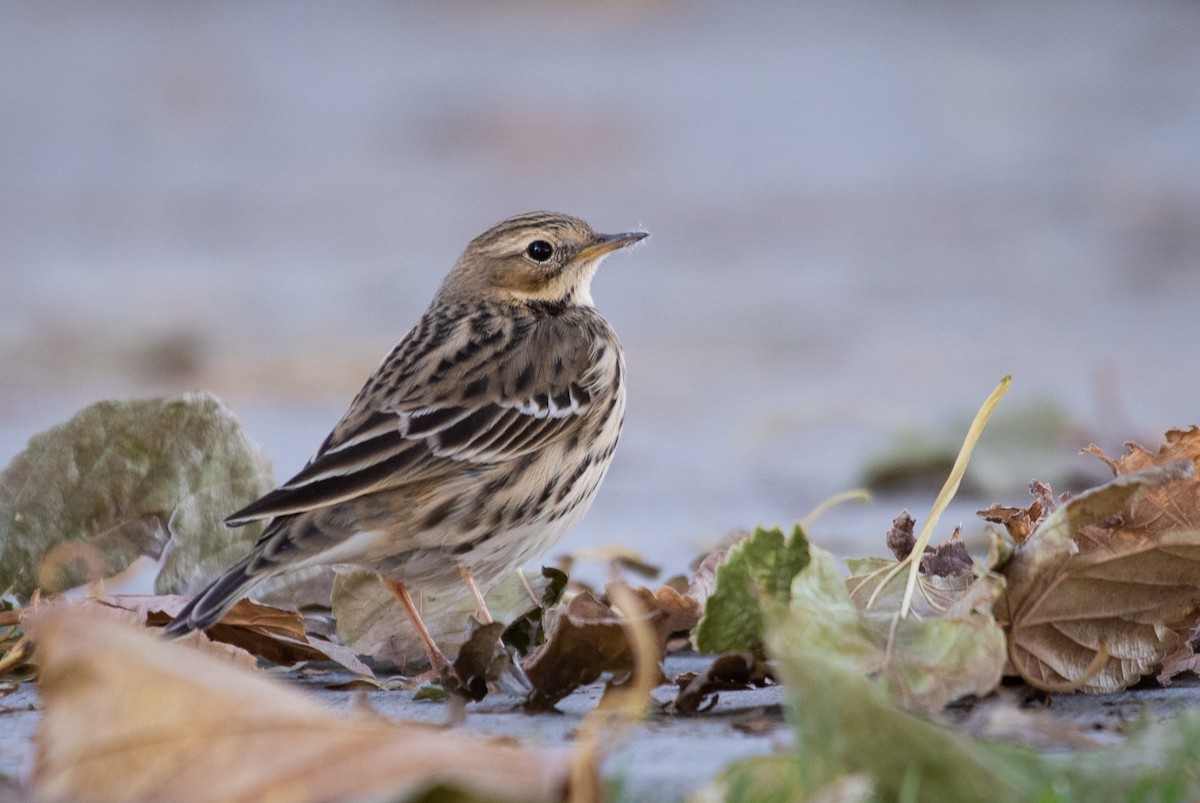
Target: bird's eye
[(539, 251)]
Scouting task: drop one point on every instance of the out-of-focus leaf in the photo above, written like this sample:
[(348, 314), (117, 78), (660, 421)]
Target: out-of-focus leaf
[(1040, 432), (371, 622), (1106, 572), (779, 779), (668, 610), (848, 726), (130, 717), (756, 571), (926, 661), (703, 581), (148, 477)]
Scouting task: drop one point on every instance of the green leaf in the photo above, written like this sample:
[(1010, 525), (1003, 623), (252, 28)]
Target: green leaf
[(853, 737), (150, 477), (924, 662), (756, 572)]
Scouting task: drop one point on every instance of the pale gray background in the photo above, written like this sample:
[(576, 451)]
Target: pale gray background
[(863, 215)]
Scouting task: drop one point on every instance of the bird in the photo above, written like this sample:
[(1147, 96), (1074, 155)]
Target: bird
[(478, 442)]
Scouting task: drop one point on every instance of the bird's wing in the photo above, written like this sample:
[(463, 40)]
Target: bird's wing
[(474, 398)]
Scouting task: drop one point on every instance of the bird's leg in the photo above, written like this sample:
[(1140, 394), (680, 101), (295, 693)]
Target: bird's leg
[(518, 682), (481, 608), (438, 662)]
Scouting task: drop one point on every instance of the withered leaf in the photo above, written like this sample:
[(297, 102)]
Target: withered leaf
[(128, 716), (480, 659), (273, 634), (943, 560), (587, 640), (1018, 521), (733, 671), (668, 610), (1094, 603)]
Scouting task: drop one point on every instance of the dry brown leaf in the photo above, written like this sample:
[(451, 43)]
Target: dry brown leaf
[(586, 641), (1168, 507), (274, 634), (1095, 604), (1018, 521), (668, 610), (733, 671), (589, 638), (130, 717), (704, 579)]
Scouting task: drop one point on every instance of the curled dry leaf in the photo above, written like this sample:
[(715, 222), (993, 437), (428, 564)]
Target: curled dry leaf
[(734, 671), (589, 638), (128, 716), (273, 634), (668, 610), (586, 640), (480, 659), (943, 560), (1109, 585)]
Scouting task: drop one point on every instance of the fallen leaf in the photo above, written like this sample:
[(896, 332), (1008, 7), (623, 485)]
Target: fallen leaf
[(733, 671), (586, 640), (273, 634), (755, 570), (371, 622), (1170, 506), (480, 660), (128, 716), (926, 660), (1095, 605), (668, 610), (527, 630), (847, 724), (150, 477), (943, 560), (1019, 522), (704, 580)]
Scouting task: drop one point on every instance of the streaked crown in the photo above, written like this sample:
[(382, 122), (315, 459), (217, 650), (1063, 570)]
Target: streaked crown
[(540, 257)]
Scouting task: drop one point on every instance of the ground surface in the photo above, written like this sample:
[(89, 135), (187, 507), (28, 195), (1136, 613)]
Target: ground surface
[(667, 757)]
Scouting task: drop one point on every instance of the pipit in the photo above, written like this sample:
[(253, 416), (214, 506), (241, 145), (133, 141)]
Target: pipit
[(477, 444)]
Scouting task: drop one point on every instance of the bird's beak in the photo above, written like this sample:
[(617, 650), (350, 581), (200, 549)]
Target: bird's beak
[(607, 243)]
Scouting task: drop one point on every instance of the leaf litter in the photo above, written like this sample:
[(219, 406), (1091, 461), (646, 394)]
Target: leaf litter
[(1090, 593)]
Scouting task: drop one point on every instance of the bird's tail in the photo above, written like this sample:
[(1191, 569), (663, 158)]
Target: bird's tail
[(207, 607)]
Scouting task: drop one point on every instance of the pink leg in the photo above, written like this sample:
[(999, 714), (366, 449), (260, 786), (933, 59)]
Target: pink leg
[(481, 609), (437, 660)]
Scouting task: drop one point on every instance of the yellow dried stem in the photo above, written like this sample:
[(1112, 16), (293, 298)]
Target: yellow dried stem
[(949, 489), (854, 495)]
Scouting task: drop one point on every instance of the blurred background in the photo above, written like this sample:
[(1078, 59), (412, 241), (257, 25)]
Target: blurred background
[(863, 214)]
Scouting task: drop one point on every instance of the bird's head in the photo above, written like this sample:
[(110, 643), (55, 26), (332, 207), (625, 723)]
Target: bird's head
[(540, 258)]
